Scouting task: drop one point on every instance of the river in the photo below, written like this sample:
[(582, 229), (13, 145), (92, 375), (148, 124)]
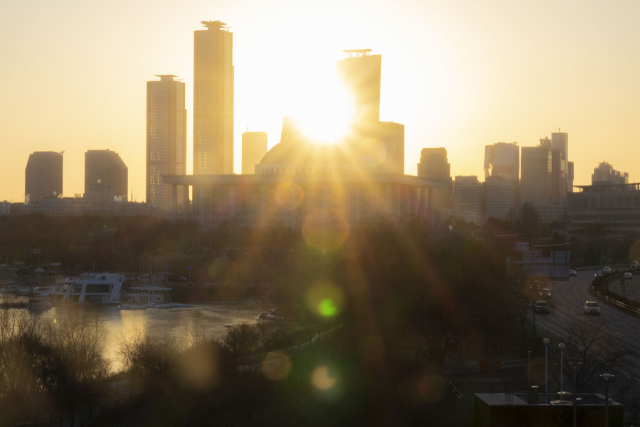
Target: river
[(208, 320)]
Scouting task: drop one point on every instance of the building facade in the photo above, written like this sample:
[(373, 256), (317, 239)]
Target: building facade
[(43, 176), (501, 198), (537, 165), (502, 159), (606, 174), (468, 197), (361, 74), (213, 98), (166, 138), (613, 209), (106, 167), (5, 208), (434, 164), (560, 141), (254, 147)]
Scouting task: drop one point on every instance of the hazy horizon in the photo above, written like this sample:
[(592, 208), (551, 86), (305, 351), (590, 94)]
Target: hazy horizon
[(459, 75)]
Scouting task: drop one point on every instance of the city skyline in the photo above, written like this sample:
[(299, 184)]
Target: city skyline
[(421, 88)]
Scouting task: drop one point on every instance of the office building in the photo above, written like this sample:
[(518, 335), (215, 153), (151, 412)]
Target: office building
[(560, 141), (537, 165), (166, 138), (606, 174), (468, 197), (373, 146), (434, 164), (43, 176), (501, 198), (254, 147), (553, 210), (107, 168), (503, 160), (614, 208), (5, 208), (570, 177), (213, 76), (361, 73)]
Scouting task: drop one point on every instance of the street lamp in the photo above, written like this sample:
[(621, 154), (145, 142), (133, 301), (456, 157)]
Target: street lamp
[(546, 343), (606, 378), (561, 347)]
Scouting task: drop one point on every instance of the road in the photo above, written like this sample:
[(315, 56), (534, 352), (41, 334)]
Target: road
[(569, 298)]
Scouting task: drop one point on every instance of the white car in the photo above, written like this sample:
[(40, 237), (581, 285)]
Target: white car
[(591, 307), (628, 276), (606, 270)]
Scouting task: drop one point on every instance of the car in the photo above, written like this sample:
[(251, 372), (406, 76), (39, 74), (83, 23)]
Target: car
[(591, 307), (634, 264), (545, 293), (572, 273), (628, 276), (606, 270), (542, 307)]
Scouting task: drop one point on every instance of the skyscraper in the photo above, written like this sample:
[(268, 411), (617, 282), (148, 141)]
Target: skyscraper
[(43, 176), (467, 199), (606, 174), (213, 76), (166, 138), (502, 179), (361, 75), (254, 147), (537, 165), (107, 168), (502, 159), (434, 164), (560, 141)]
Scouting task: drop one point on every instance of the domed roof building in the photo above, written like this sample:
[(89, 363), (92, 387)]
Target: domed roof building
[(300, 182)]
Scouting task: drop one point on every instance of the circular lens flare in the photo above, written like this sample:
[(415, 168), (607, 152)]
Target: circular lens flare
[(276, 365), (321, 378), (325, 299)]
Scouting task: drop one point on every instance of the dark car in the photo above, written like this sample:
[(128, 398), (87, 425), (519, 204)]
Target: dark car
[(542, 307)]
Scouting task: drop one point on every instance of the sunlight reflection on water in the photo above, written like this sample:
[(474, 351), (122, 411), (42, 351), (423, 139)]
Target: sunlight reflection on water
[(212, 321)]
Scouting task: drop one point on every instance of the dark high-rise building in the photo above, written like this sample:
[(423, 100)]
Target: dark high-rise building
[(560, 141), (537, 166), (166, 138), (434, 164), (361, 75), (213, 76), (43, 176), (107, 168), (570, 177), (254, 147)]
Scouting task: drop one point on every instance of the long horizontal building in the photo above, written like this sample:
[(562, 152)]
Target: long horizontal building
[(614, 208), (302, 184)]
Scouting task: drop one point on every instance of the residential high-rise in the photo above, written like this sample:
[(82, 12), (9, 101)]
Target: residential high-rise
[(166, 138), (434, 164), (213, 76), (560, 141), (361, 74), (43, 176), (606, 174), (467, 199), (107, 168), (254, 147)]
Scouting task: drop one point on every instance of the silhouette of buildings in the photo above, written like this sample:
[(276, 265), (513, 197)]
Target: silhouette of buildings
[(373, 146), (254, 147), (434, 164), (107, 168), (537, 166), (43, 176), (213, 76), (560, 141), (606, 174), (502, 180), (468, 198), (166, 138), (605, 208), (299, 184)]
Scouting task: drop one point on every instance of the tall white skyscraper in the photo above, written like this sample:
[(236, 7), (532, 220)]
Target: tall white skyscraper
[(166, 138), (213, 100)]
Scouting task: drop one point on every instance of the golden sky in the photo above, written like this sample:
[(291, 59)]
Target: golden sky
[(458, 73)]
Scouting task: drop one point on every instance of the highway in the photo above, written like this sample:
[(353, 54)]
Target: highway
[(569, 298)]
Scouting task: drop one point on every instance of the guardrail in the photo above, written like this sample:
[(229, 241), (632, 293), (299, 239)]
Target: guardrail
[(620, 304)]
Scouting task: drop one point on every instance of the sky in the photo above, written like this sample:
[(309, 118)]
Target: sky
[(458, 74)]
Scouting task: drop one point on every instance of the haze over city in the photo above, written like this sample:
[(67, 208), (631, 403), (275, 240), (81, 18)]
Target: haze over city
[(460, 75)]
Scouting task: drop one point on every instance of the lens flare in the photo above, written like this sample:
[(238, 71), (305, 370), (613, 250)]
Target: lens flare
[(218, 267), (432, 388), (325, 299), (276, 365), (288, 196), (321, 379), (325, 231)]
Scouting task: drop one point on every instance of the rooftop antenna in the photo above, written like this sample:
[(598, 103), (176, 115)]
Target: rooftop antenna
[(63, 151)]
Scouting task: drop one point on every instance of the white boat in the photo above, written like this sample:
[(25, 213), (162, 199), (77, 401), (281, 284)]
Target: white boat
[(90, 288)]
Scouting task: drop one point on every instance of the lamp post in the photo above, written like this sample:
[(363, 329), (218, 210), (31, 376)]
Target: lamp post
[(546, 342), (575, 391), (606, 378), (561, 347)]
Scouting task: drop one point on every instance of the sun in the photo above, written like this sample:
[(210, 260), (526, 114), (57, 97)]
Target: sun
[(327, 113)]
